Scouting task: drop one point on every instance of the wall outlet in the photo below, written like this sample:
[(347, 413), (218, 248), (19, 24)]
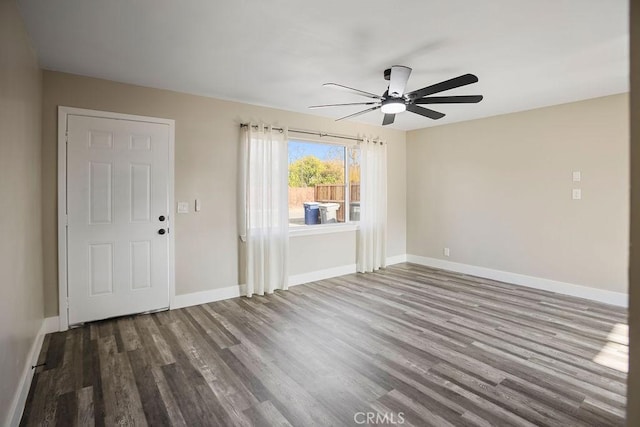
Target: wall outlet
[(576, 194), (446, 252)]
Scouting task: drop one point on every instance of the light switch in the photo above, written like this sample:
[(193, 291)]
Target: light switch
[(446, 252), (577, 194), (577, 176), (183, 207), (197, 206)]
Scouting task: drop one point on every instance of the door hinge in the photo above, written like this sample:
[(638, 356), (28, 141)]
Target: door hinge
[(67, 303)]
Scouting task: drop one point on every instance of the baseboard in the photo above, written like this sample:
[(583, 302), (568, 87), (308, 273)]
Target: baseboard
[(328, 273), (600, 295), (397, 259), (50, 324), (204, 297)]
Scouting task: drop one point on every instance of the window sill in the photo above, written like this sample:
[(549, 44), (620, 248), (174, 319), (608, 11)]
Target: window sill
[(310, 230)]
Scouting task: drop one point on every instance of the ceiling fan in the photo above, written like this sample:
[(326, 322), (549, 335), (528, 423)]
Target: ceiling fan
[(394, 100)]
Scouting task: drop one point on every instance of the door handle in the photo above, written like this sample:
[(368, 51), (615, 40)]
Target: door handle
[(162, 231), (161, 218)]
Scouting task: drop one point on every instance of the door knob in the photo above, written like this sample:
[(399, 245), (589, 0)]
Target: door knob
[(162, 231), (161, 218)]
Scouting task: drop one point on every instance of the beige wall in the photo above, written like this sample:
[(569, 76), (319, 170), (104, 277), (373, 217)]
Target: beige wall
[(497, 192), (207, 134), (21, 307), (633, 388), (313, 253)]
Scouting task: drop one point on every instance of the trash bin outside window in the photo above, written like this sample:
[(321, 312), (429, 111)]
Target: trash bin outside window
[(354, 211), (329, 212), (311, 213)]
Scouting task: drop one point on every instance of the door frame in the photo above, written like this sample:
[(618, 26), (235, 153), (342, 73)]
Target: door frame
[(63, 115)]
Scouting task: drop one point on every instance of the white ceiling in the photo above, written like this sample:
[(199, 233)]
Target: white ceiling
[(526, 53)]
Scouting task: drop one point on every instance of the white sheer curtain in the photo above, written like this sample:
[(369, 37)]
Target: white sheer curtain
[(264, 217), (372, 234)]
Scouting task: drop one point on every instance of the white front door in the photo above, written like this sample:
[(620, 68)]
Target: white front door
[(118, 217)]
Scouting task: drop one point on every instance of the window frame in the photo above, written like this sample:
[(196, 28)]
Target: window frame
[(347, 225)]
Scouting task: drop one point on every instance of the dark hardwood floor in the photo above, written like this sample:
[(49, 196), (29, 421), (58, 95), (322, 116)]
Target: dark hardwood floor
[(423, 346)]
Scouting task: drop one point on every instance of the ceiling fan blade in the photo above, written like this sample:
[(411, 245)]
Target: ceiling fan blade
[(424, 112), (388, 119), (463, 80), (468, 99), (352, 90), (359, 113), (398, 80), (343, 105)]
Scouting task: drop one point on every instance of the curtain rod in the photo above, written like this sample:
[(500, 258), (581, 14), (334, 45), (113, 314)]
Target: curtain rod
[(306, 132)]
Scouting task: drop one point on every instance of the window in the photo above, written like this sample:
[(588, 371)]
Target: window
[(318, 177)]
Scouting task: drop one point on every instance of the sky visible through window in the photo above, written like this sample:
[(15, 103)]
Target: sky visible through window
[(300, 149)]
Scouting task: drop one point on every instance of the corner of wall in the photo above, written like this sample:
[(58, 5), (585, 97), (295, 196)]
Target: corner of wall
[(633, 384)]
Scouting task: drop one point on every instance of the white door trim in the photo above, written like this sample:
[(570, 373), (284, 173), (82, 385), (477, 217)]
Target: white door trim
[(63, 113)]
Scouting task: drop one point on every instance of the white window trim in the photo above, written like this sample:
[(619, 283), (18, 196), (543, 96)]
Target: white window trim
[(311, 230)]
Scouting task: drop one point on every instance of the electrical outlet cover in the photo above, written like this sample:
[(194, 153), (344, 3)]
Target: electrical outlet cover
[(576, 194)]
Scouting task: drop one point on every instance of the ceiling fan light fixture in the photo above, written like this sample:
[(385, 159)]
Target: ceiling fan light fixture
[(393, 106)]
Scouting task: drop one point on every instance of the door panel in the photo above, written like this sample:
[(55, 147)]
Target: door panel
[(100, 193), (117, 188), (100, 268), (140, 192), (140, 265)]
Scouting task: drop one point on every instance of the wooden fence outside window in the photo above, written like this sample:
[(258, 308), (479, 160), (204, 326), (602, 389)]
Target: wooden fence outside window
[(334, 193)]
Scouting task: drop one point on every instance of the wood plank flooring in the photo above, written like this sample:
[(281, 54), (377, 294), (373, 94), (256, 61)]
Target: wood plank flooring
[(416, 346)]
